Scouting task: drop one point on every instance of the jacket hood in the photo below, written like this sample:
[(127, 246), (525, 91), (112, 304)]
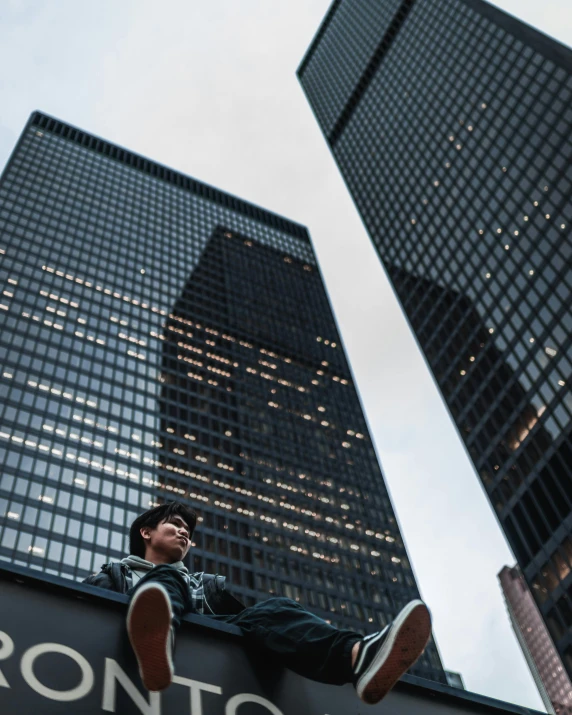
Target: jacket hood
[(138, 564)]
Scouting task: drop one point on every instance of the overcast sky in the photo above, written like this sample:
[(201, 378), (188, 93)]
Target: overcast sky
[(209, 88)]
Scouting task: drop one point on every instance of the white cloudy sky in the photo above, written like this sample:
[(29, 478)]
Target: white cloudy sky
[(209, 88)]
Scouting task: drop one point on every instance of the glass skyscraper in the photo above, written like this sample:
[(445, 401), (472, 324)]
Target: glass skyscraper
[(162, 339), (551, 679), (451, 123)]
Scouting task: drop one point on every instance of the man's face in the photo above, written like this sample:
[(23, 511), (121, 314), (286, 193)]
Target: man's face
[(169, 540)]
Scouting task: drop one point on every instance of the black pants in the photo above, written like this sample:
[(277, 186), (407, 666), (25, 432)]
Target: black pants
[(302, 641)]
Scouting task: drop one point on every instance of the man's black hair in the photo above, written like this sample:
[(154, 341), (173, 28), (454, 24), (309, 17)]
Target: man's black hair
[(153, 517)]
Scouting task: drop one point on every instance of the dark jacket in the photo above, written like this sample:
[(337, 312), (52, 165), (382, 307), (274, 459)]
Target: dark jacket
[(218, 601)]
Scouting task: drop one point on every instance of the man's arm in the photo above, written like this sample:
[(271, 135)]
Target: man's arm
[(101, 580), (104, 579)]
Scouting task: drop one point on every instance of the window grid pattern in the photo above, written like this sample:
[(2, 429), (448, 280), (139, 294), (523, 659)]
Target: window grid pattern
[(544, 662), (158, 344), (339, 59), (458, 156)]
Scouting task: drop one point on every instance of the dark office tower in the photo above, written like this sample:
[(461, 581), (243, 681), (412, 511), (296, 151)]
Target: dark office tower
[(545, 665), (451, 123), (164, 340)]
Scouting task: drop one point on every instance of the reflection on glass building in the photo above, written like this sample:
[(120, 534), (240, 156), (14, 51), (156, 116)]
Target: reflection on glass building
[(451, 123), (162, 339)]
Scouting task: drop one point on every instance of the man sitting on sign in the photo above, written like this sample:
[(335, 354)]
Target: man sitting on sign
[(162, 590)]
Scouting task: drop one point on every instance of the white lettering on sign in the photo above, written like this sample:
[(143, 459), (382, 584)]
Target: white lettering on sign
[(195, 687), (5, 652), (240, 698), (27, 668), (114, 675), (114, 672)]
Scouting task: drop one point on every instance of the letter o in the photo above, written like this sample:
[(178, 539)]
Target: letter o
[(27, 663), (237, 700)]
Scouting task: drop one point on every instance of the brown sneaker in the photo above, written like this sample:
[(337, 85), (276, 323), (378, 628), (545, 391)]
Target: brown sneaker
[(385, 656), (149, 628)]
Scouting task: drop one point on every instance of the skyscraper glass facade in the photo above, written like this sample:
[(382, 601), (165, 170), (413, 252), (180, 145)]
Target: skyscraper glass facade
[(161, 339), (451, 123), (551, 679)]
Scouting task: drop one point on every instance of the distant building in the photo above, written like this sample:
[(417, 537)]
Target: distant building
[(451, 123), (543, 660), (455, 680), (162, 339)]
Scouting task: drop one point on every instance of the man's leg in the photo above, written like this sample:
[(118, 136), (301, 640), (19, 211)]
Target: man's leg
[(157, 603), (313, 648), (303, 642)]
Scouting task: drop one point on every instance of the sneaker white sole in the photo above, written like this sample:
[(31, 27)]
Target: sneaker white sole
[(406, 641), (149, 628)]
